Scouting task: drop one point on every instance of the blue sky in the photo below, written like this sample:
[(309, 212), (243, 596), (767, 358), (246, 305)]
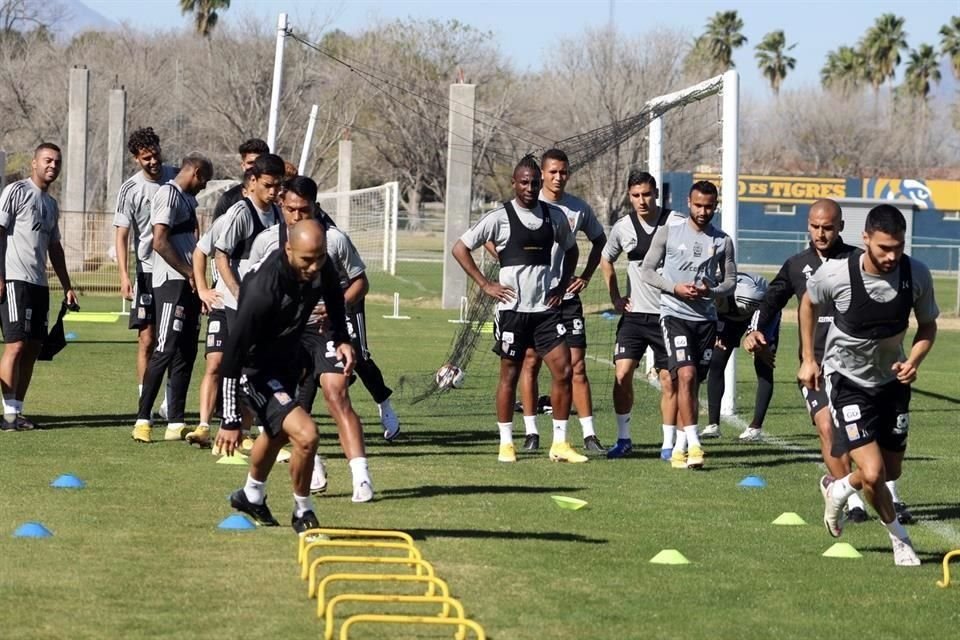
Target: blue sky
[(525, 30)]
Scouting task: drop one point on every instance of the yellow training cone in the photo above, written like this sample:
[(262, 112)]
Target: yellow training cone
[(234, 459), (842, 550), (669, 556), (789, 518)]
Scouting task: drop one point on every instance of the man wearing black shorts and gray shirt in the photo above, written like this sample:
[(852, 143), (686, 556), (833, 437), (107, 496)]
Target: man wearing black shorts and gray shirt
[(260, 366), (173, 218), (698, 268), (639, 326), (524, 231), (28, 217), (249, 152), (866, 371), (824, 223), (133, 214)]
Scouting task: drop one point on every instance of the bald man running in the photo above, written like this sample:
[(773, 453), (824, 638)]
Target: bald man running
[(260, 366)]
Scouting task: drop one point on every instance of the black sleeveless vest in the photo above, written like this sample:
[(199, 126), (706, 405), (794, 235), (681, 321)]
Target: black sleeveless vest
[(258, 227), (871, 320), (527, 246), (644, 239)]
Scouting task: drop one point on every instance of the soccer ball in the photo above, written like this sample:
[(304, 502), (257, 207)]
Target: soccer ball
[(749, 292), (448, 376)]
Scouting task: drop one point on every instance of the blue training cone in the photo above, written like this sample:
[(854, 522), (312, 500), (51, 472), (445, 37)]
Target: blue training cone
[(70, 336), (68, 481), (32, 530), (237, 522), (753, 482)]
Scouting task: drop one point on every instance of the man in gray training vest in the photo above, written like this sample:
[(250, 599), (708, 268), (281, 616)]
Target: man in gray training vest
[(28, 233), (698, 268), (523, 232), (866, 372), (173, 218)]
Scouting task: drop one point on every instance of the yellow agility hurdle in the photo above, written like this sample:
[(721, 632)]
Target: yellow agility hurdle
[(364, 597), (422, 567), (387, 619), (946, 569), (349, 533), (412, 552), (374, 577)]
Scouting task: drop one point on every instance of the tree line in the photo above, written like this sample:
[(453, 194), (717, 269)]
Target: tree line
[(387, 87)]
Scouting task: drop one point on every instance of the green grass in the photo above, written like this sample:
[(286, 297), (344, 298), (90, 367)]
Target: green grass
[(137, 553)]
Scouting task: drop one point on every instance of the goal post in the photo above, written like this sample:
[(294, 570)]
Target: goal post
[(373, 222)]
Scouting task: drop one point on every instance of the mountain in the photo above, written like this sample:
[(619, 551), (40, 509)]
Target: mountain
[(74, 17)]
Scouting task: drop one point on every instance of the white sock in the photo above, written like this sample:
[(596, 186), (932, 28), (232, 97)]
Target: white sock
[(530, 425), (586, 423), (506, 432), (693, 440), (254, 490), (841, 490), (854, 501), (139, 390), (385, 407), (359, 470), (896, 529), (892, 488), (301, 504), (559, 431), (681, 444), (669, 431), (623, 426), (9, 408)]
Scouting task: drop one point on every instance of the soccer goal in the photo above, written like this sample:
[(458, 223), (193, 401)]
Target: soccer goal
[(369, 217)]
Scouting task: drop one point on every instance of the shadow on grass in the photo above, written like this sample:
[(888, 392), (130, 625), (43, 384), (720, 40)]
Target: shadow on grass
[(926, 557), (937, 396), (546, 536), (429, 490), (936, 511)]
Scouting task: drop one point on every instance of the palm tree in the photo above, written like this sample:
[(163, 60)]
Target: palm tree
[(773, 60), (722, 37), (845, 71), (881, 47), (923, 68), (204, 12), (950, 43)]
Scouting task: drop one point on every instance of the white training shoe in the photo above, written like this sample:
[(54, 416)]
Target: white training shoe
[(832, 515), (710, 431), (903, 553), (751, 434), (318, 481), (390, 423), (363, 492)]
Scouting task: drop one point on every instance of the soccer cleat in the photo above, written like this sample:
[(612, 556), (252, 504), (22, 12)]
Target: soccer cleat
[(531, 442), (259, 512), (318, 481), (25, 424), (695, 458), (903, 553), (199, 437), (174, 433), (8, 425), (678, 459), (390, 423), (751, 434), (832, 517), (903, 513), (591, 443), (857, 515), (710, 431), (141, 431), (363, 492), (563, 452), (305, 522), (666, 454), (622, 449), (507, 453)]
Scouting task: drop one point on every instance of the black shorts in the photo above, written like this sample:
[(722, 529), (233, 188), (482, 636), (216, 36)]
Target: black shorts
[(218, 324), (731, 333), (178, 316), (320, 354), (23, 312), (815, 399), (636, 332), (357, 328), (866, 414), (270, 398), (141, 311), (571, 310), (688, 343), (516, 331)]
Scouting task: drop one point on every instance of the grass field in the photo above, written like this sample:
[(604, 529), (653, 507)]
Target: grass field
[(137, 553)]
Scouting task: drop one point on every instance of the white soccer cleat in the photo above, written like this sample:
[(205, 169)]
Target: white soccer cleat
[(318, 481), (751, 434), (832, 514), (710, 431), (390, 423), (903, 553), (363, 492)]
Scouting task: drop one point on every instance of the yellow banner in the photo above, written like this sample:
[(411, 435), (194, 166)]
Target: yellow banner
[(785, 189)]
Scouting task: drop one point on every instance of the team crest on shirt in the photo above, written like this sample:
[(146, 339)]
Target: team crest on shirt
[(697, 249)]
